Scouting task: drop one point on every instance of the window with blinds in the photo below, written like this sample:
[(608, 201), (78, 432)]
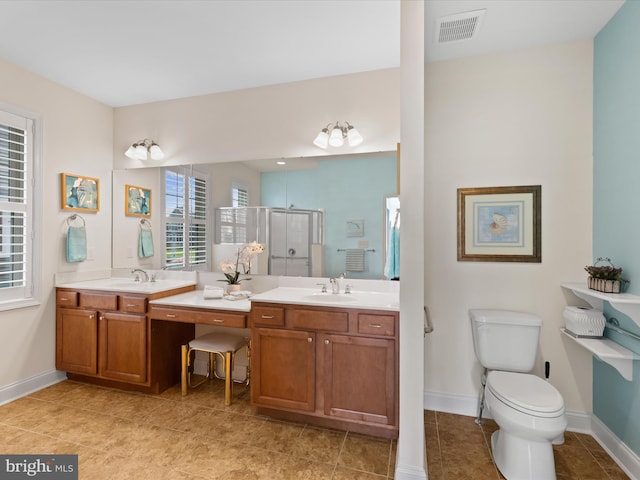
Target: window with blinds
[(16, 208), (186, 226)]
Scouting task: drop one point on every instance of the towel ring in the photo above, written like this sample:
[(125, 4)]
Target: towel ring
[(145, 224), (75, 217)]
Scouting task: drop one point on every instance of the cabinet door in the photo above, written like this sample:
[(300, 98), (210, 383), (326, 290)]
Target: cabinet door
[(123, 347), (283, 369), (77, 341), (359, 378)]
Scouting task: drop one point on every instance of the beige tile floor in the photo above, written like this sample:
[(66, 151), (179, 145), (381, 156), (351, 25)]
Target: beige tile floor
[(119, 435)]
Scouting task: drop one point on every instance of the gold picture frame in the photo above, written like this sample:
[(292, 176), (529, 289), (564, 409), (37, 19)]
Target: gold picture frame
[(137, 201), (499, 224), (79, 193)]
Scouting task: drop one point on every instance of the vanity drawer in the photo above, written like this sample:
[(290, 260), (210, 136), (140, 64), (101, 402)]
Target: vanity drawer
[(133, 304), (66, 298), (269, 316), (237, 320), (99, 301), (319, 320), (377, 324)]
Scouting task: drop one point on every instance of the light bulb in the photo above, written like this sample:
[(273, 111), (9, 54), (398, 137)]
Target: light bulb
[(141, 152), (322, 140), (156, 152), (131, 152), (353, 137), (335, 140)]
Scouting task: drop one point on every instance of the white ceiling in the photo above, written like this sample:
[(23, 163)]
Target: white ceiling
[(139, 51)]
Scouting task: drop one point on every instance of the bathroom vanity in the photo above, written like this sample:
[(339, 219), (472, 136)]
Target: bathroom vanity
[(104, 335), (333, 366)]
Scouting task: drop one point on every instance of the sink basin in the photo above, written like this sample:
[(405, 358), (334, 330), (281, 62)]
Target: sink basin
[(307, 296), (118, 284), (328, 297)]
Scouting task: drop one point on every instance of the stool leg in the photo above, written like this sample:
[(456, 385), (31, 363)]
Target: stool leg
[(184, 369), (228, 381), (212, 365)]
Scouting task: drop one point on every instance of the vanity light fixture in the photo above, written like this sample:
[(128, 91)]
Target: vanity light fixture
[(143, 149), (334, 135)]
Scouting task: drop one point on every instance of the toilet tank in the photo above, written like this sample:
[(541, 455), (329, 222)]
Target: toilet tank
[(505, 340)]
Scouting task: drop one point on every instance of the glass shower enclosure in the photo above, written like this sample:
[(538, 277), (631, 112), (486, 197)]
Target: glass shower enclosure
[(294, 238)]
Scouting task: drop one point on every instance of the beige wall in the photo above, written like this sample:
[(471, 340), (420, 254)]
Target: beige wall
[(278, 121), (77, 138), (521, 118)]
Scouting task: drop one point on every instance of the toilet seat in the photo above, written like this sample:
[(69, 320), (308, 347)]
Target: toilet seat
[(526, 393)]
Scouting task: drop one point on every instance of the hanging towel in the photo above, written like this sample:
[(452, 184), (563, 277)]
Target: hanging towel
[(392, 268), (354, 260), (76, 244), (145, 244)]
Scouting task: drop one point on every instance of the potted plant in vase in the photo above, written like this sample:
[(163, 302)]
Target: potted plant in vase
[(605, 278), (232, 270)]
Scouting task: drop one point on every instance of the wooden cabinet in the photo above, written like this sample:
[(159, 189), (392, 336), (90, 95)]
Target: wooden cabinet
[(77, 340), (286, 374), (334, 367), (107, 338)]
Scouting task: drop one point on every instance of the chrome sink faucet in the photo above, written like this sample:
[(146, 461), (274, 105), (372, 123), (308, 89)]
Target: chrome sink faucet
[(335, 287), (137, 271)]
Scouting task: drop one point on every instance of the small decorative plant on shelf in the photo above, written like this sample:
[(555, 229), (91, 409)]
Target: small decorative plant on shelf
[(244, 257), (605, 278)]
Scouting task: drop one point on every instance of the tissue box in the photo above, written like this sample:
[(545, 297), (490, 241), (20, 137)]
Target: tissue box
[(584, 322)]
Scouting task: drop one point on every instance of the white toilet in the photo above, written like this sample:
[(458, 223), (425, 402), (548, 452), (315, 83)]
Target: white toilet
[(528, 410)]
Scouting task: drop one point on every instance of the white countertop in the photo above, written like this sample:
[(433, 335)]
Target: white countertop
[(196, 299), (127, 285), (389, 301)]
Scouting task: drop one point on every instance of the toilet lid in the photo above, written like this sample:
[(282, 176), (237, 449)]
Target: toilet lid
[(526, 393)]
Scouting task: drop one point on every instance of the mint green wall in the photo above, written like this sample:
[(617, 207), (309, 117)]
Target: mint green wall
[(351, 189), (616, 209)]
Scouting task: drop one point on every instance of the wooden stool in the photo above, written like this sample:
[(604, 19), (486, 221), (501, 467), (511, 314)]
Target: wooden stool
[(223, 344)]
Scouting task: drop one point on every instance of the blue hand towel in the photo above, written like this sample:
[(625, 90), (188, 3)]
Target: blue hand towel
[(392, 268), (145, 244), (76, 244)]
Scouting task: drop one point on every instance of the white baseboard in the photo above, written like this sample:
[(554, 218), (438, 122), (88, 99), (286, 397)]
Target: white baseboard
[(617, 450), (578, 422), (21, 388)]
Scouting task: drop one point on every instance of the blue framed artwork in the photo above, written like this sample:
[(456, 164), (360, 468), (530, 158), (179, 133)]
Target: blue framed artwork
[(80, 193), (499, 224), (137, 201)]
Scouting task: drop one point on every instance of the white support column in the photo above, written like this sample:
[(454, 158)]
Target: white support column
[(411, 455)]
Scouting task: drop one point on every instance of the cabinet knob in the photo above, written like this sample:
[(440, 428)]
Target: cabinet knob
[(101, 317), (267, 316), (170, 315), (217, 320), (91, 317), (327, 342), (131, 305), (309, 339), (375, 325)]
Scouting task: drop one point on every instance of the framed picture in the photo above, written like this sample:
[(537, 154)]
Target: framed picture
[(355, 228), (499, 224), (80, 193), (137, 201)]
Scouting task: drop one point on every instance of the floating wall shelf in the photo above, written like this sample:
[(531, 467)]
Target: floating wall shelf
[(623, 302), (610, 352)]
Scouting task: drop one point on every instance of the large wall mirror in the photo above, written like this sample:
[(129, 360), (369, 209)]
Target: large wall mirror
[(318, 216)]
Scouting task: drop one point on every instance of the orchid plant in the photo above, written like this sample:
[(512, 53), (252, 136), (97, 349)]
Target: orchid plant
[(244, 256)]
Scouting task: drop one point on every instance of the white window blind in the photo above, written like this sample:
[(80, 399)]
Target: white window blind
[(186, 227), (16, 208), (239, 197)]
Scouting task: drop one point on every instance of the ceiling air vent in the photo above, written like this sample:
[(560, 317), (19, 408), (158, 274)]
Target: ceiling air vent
[(461, 26)]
